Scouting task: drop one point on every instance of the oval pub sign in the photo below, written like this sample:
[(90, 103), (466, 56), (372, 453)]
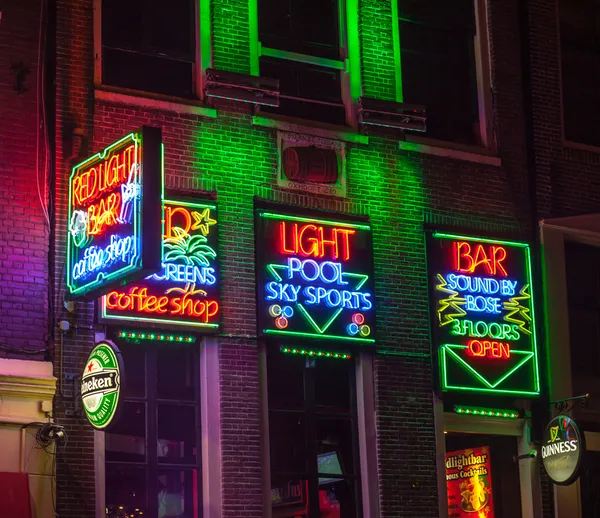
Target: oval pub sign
[(563, 447), (101, 384)]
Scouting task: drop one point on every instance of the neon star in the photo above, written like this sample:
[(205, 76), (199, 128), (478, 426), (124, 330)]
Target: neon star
[(203, 221), (90, 367)]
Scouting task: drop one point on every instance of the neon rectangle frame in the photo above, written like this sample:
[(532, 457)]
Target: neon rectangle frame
[(145, 188), (107, 316), (302, 325), (445, 346)]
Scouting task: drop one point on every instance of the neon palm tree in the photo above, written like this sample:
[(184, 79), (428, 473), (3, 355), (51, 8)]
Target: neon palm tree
[(190, 250)]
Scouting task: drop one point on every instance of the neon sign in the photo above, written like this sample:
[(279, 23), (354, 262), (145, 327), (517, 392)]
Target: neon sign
[(483, 315), (114, 215), (185, 292), (315, 278)]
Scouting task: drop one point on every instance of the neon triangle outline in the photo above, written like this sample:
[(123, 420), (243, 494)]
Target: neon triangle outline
[(448, 348)]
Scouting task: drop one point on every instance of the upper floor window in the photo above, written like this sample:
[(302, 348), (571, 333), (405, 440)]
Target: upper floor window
[(445, 67), (303, 44), (313, 437), (150, 45), (580, 62)]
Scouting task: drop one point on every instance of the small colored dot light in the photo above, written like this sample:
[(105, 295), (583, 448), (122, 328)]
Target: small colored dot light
[(505, 414), (136, 337), (316, 352)]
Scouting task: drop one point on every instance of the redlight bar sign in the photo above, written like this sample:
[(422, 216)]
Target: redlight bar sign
[(185, 293), (483, 315), (114, 215), (315, 278)]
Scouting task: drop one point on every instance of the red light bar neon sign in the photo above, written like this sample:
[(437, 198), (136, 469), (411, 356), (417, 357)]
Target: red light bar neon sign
[(483, 315), (114, 206), (315, 278)]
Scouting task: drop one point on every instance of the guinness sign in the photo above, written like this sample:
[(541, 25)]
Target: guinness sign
[(101, 384), (563, 447)]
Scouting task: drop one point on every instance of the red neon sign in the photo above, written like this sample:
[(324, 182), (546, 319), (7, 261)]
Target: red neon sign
[(185, 305), (103, 176), (489, 349), (468, 260), (311, 240)]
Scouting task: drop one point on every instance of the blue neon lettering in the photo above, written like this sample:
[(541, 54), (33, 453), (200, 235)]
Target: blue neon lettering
[(480, 304), (96, 258), (185, 273), (282, 292), (508, 287), (481, 285), (366, 303), (309, 291), (310, 271)]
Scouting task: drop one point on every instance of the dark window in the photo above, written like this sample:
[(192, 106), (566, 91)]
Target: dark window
[(149, 45), (313, 437), (437, 41), (152, 455), (309, 28), (580, 62)]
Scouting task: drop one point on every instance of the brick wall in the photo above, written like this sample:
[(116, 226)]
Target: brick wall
[(399, 191), (23, 228)]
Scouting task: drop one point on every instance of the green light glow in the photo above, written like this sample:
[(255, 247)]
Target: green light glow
[(482, 240), (397, 53), (311, 335), (314, 324), (352, 24), (313, 220), (156, 337), (315, 353), (486, 412), (528, 354)]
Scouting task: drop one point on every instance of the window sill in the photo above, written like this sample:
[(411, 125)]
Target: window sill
[(145, 100), (440, 148), (569, 144), (322, 130)]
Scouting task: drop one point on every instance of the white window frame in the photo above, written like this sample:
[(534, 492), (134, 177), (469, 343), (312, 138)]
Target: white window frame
[(348, 63), (367, 435), (484, 80), (203, 49)]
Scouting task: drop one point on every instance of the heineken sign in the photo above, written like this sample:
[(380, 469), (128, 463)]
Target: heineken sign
[(101, 384), (563, 447)]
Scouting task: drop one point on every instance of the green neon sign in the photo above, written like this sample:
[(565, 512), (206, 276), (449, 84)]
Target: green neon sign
[(483, 316), (101, 384)]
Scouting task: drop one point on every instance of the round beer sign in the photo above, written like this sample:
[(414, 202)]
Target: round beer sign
[(101, 384), (563, 447)]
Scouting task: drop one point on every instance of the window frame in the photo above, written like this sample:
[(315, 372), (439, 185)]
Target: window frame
[(348, 64), (364, 435), (208, 462), (483, 71), (202, 52)]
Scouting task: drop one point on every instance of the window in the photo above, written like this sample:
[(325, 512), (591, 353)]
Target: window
[(313, 437), (149, 45), (302, 43), (580, 61), (443, 56), (153, 453)]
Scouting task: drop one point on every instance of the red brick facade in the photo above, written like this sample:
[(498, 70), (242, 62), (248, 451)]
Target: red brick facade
[(402, 192)]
